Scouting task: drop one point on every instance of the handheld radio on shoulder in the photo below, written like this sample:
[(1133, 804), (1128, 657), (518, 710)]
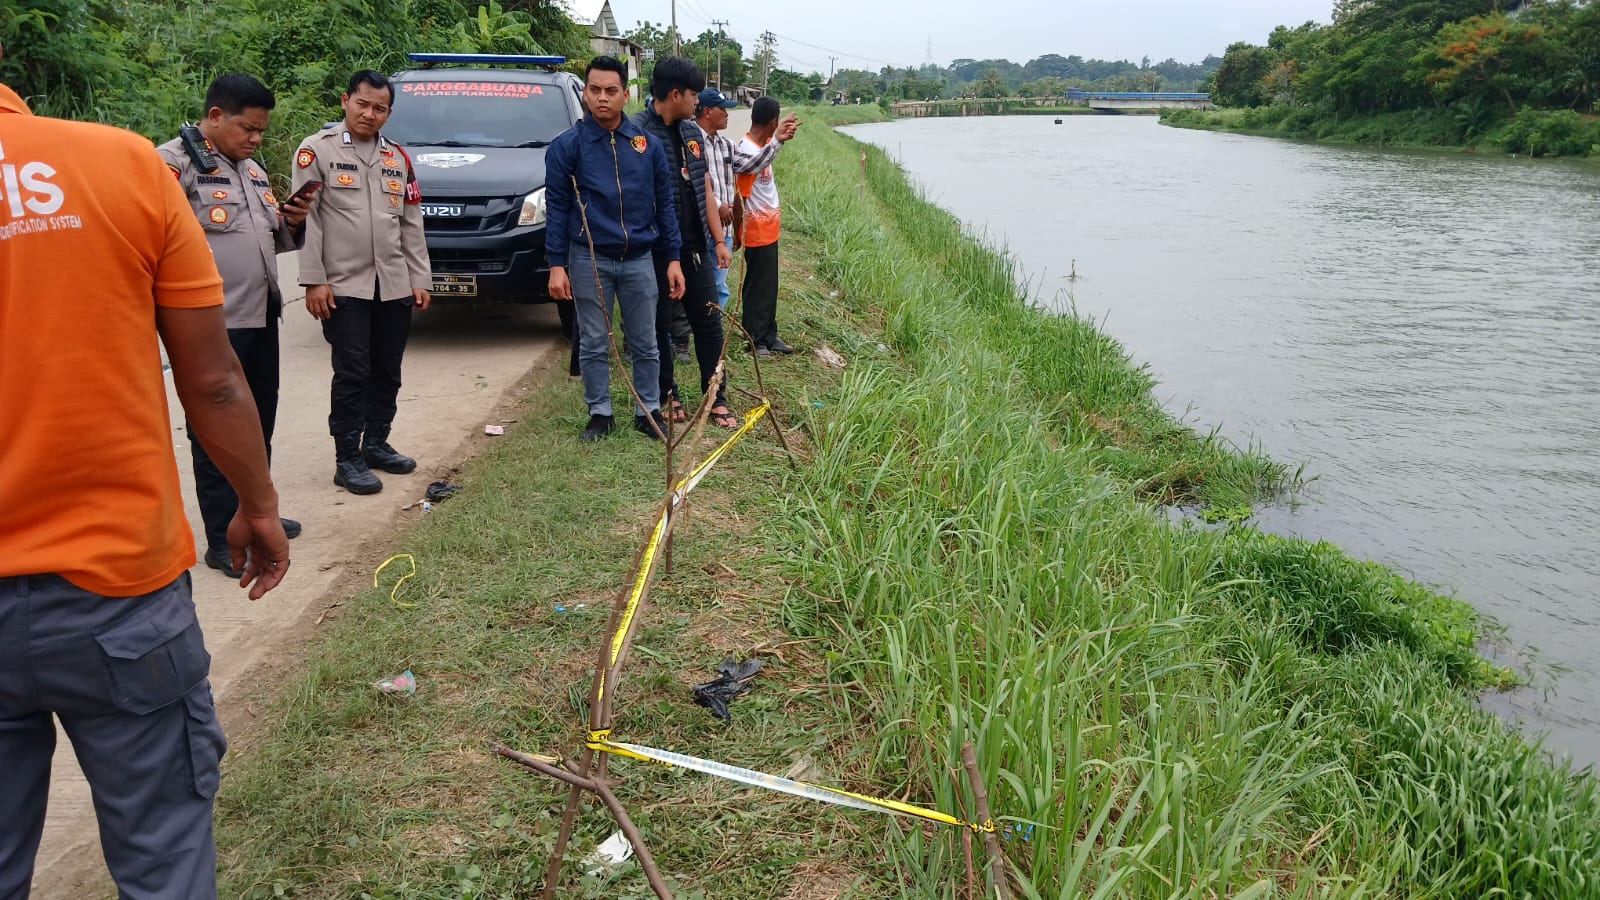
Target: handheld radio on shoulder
[(198, 148)]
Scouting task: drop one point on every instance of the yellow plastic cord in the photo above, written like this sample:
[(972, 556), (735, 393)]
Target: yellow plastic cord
[(600, 741), (647, 563), (403, 578)]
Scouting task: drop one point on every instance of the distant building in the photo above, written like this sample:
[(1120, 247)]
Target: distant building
[(607, 38)]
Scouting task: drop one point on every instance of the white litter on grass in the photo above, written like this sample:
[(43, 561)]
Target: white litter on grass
[(494, 429), (829, 357), (612, 852)]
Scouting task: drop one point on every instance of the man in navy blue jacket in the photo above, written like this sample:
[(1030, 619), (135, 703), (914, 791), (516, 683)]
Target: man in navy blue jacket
[(625, 186), (675, 94)]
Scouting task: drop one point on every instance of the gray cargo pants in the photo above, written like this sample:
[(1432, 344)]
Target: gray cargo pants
[(127, 678)]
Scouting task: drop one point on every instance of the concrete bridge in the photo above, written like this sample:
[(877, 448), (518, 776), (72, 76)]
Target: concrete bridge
[(1110, 101)]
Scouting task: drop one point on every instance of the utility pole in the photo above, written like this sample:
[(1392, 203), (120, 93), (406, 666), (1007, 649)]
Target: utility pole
[(831, 61), (677, 47), (768, 44), (719, 23)]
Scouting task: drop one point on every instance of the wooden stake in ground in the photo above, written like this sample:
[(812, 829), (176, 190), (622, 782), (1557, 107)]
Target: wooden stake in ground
[(588, 773), (991, 841)]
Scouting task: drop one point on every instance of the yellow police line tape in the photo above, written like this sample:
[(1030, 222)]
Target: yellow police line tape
[(600, 741), (647, 563), (403, 578)]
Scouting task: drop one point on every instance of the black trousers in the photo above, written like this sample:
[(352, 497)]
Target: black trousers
[(682, 331), (369, 343), (705, 322), (760, 313), (257, 349), (569, 327)]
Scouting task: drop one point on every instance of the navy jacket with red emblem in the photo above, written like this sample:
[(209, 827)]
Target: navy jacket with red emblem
[(693, 159), (626, 185)]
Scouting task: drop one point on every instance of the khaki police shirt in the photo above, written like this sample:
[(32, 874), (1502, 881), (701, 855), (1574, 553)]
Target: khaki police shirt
[(237, 209), (365, 226)]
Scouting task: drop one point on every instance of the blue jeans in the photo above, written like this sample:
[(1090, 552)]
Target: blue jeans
[(127, 679), (631, 286), (722, 274)]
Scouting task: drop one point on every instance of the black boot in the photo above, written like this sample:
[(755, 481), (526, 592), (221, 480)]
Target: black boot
[(641, 424), (379, 455), (351, 472), (599, 426)]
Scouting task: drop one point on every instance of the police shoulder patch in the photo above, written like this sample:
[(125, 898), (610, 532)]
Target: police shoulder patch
[(640, 144), (176, 172), (694, 147), (304, 159)]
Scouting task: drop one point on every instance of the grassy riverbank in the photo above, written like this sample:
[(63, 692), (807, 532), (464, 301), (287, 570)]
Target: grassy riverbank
[(1531, 132), (970, 551)]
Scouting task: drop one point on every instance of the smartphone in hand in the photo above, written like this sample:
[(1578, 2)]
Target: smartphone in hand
[(305, 193)]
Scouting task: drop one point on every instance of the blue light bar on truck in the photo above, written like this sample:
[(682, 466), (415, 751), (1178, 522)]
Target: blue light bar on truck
[(486, 59)]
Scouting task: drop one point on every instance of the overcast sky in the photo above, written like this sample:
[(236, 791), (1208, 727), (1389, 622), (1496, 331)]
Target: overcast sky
[(872, 33)]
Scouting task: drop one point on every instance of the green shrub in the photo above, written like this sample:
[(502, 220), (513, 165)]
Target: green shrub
[(1559, 132)]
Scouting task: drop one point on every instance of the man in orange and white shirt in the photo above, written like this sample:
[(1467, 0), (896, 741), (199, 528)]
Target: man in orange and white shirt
[(752, 161)]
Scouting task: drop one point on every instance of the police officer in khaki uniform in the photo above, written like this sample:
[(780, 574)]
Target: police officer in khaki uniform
[(364, 267), (234, 202)]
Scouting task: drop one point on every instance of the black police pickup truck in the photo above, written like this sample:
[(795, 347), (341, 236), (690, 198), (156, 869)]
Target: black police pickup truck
[(476, 133)]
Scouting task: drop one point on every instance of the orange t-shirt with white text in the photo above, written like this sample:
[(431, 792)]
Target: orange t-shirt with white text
[(95, 234), (763, 219)]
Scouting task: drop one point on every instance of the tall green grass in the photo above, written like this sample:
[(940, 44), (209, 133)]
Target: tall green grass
[(1176, 712)]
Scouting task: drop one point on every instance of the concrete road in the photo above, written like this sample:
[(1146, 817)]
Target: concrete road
[(461, 362)]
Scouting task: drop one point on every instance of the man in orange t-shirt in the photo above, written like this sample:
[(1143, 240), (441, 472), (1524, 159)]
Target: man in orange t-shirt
[(99, 255)]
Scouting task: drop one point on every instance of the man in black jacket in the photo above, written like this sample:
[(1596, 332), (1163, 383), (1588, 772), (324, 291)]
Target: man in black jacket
[(625, 184), (675, 92)]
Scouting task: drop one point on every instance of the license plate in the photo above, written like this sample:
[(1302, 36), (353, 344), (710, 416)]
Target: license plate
[(458, 285)]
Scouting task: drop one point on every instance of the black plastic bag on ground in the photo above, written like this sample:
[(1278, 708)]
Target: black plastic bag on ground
[(440, 491), (735, 682)]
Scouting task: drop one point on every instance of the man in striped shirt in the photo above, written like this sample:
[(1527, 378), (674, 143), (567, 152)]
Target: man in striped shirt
[(752, 161), (712, 117)]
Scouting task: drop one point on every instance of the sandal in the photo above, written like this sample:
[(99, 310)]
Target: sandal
[(674, 410), (724, 419)]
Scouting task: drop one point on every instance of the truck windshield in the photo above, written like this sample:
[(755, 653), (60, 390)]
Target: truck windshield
[(470, 113)]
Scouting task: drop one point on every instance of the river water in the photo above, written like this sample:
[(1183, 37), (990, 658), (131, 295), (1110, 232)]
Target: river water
[(1421, 330)]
